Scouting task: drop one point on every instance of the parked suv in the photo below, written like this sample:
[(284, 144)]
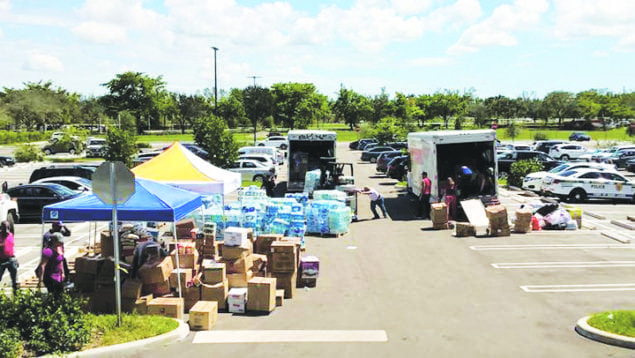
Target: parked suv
[(579, 136), (567, 151), (96, 148), (544, 146), (58, 170), (60, 146), (620, 157)]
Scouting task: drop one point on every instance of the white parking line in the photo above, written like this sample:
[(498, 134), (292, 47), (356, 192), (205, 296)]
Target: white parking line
[(532, 265), (550, 247), (287, 336), (580, 288)]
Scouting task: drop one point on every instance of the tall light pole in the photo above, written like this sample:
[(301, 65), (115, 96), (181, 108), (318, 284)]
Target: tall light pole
[(215, 84)]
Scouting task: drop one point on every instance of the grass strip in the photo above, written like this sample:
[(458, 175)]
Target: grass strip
[(133, 327), (618, 322)]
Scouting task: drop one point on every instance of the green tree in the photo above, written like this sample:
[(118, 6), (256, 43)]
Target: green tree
[(210, 133), (480, 112), (121, 146), (382, 106), (560, 105), (137, 93), (258, 105), (389, 130), (190, 108), (449, 104), (296, 104), (352, 107), (232, 110)]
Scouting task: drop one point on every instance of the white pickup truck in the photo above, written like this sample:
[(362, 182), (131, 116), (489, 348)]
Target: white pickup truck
[(8, 209)]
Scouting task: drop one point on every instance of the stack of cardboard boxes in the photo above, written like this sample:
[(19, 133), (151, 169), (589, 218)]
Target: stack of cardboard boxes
[(523, 220), (439, 216), (241, 274), (498, 224)]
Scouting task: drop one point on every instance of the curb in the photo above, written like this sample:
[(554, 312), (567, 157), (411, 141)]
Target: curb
[(583, 328), (136, 347)]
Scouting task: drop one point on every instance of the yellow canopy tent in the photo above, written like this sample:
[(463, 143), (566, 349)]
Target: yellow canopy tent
[(180, 167)]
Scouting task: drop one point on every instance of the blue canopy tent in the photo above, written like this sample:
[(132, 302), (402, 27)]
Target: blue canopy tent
[(151, 201)]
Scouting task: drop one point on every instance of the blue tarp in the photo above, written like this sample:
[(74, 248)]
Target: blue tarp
[(151, 201)]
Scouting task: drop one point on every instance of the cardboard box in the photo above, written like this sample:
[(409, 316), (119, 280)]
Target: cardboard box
[(279, 297), (440, 226), (217, 292), (283, 257), (213, 272), (237, 300), (464, 229), (241, 265), (263, 243), (186, 276), (259, 264), (286, 281), (191, 295), (106, 273), (84, 282), (166, 306), (131, 288), (439, 213), (523, 220), (106, 244), (236, 252), (189, 260), (239, 279), (309, 267), (157, 271), (184, 228), (141, 304), (88, 264), (203, 315), (261, 292), (234, 236), (157, 289)]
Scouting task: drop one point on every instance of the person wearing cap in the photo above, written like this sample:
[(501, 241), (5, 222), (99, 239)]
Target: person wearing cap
[(376, 199), (52, 270), (56, 226)]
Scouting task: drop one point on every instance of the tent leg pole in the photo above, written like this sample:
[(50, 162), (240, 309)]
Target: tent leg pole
[(178, 265)]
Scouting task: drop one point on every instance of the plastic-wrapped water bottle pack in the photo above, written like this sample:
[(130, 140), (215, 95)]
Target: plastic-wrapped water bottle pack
[(327, 217), (329, 195)]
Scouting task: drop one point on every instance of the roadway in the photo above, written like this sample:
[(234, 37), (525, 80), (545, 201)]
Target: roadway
[(395, 287)]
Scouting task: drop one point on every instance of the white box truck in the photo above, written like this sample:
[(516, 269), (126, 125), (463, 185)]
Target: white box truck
[(306, 147), (468, 156)]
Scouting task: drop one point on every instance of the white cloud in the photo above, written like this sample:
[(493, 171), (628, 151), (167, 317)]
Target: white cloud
[(499, 28), (37, 61), (587, 18), (5, 6), (411, 7), (456, 15), (100, 32)]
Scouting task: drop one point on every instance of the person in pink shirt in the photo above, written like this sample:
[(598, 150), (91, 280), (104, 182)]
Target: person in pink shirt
[(51, 270), (7, 256)]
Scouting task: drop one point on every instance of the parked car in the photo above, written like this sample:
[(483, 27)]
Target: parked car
[(533, 181), (372, 154), (76, 184), (96, 147), (567, 151), (384, 158), (506, 160), (32, 198), (144, 157), (522, 147), (398, 145), (59, 146), (361, 142), (57, 170), (544, 146), (630, 165), (274, 141), (6, 161), (397, 167), (608, 152), (620, 157), (263, 158), (583, 184), (368, 145), (251, 170), (579, 137), (9, 209)]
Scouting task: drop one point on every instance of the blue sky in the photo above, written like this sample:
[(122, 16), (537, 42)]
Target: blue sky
[(513, 48)]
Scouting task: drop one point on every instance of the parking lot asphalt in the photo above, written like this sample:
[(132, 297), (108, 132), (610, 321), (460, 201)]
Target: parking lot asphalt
[(432, 294)]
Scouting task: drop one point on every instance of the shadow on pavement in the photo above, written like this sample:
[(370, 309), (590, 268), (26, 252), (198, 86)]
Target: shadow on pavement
[(403, 207)]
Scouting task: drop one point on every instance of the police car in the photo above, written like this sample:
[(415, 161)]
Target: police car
[(582, 184), (533, 181)]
